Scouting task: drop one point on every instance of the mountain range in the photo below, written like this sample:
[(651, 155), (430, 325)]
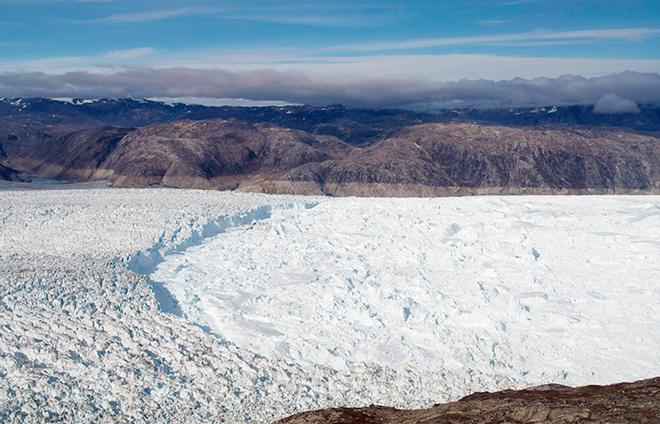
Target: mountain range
[(331, 150)]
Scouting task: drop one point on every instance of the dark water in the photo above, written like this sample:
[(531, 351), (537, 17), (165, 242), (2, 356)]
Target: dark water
[(49, 184)]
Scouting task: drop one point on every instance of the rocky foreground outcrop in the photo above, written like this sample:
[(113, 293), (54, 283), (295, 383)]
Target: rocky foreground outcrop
[(415, 160), (637, 402)]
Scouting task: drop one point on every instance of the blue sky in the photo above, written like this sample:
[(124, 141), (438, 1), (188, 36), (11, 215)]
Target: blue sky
[(431, 40), (60, 28)]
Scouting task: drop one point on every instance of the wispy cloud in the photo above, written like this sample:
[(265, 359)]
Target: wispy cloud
[(355, 14), (492, 21), (517, 2), (309, 20), (120, 58), (128, 54), (154, 15), (432, 67), (541, 43), (55, 1), (627, 34), (283, 14)]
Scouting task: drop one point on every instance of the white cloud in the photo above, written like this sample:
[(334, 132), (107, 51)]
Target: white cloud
[(153, 15), (492, 21), (629, 34), (128, 54), (366, 91), (307, 20), (422, 67), (612, 103), (286, 14)]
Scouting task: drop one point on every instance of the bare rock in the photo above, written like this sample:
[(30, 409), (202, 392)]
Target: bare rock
[(637, 402)]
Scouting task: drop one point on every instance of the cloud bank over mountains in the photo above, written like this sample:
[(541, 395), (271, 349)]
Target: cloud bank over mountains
[(611, 103), (615, 93)]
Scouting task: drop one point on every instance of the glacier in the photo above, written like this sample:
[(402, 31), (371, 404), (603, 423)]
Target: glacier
[(287, 303), (524, 289)]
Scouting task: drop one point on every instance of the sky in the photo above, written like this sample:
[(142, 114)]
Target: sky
[(359, 52)]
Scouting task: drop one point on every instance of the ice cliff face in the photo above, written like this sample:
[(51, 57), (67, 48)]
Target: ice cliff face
[(85, 333)]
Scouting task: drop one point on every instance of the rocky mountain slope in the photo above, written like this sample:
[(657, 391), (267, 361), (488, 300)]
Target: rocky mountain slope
[(213, 154), (469, 158), (8, 174), (338, 152), (637, 402), (355, 126)]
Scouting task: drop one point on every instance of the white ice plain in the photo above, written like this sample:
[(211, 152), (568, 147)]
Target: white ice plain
[(525, 289), (173, 305)]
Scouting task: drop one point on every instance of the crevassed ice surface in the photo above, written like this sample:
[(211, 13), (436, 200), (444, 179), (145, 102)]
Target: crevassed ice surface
[(525, 289), (402, 302)]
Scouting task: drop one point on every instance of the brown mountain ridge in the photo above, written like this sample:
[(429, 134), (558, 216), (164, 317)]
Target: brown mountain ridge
[(424, 159)]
